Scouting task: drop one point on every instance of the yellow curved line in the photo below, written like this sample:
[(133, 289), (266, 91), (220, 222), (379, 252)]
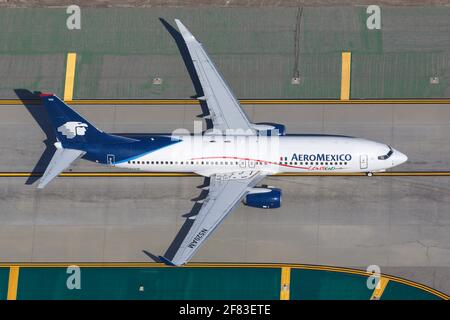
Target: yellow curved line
[(242, 101), (228, 265)]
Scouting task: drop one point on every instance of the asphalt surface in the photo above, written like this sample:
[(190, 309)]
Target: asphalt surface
[(399, 223)]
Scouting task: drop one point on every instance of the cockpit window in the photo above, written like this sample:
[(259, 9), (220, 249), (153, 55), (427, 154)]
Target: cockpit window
[(386, 156)]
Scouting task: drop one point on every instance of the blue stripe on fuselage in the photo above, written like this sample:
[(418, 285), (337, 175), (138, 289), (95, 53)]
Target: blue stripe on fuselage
[(154, 146), (124, 151)]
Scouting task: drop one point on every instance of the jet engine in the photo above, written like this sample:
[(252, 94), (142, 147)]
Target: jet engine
[(271, 129), (265, 198)]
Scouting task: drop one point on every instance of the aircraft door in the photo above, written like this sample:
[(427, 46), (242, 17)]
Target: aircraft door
[(363, 161), (110, 159)]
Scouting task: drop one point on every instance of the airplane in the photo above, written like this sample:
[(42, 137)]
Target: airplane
[(235, 154)]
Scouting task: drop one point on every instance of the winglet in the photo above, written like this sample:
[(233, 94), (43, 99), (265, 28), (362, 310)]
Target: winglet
[(187, 35), (166, 261)]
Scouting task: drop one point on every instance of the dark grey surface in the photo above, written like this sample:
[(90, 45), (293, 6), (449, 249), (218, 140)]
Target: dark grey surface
[(399, 223)]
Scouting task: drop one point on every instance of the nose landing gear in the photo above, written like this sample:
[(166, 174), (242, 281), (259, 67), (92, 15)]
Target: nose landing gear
[(369, 174)]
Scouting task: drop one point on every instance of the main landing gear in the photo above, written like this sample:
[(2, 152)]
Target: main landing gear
[(369, 174)]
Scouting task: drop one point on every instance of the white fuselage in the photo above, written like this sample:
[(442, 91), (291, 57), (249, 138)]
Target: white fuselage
[(207, 155)]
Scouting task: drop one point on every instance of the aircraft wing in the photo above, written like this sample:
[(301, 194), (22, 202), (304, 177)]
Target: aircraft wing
[(225, 193), (225, 110), (60, 161)]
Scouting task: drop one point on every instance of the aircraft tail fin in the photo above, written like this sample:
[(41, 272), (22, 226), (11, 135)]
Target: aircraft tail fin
[(60, 161), (68, 125)]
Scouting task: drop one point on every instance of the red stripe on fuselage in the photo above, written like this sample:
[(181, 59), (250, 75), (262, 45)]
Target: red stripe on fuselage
[(256, 160)]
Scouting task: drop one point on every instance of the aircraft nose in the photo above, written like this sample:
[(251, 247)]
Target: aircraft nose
[(398, 158)]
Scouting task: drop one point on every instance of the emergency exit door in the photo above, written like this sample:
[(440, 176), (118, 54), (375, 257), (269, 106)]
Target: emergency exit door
[(363, 161)]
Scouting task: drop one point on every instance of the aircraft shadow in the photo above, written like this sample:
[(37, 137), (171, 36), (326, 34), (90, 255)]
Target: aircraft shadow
[(40, 116), (176, 243)]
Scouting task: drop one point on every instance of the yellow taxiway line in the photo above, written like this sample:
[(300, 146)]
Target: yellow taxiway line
[(195, 102), (189, 174), (13, 282), (70, 76), (379, 289), (345, 75), (285, 283), (226, 265)]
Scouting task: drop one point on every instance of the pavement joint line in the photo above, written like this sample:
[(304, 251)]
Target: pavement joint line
[(242, 101), (225, 265), (191, 174), (13, 282), (345, 75), (285, 283), (70, 76), (379, 289)]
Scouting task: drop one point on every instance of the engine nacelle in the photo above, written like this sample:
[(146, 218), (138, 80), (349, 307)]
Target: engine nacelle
[(265, 198), (271, 129)]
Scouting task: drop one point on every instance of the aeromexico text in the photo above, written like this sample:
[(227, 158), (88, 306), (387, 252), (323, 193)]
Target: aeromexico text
[(321, 157)]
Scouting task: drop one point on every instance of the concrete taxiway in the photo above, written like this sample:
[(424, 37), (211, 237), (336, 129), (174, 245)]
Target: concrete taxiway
[(399, 223)]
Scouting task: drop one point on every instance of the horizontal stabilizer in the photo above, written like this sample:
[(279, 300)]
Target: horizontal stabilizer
[(60, 161)]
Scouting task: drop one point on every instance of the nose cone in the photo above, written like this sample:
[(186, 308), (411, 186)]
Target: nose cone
[(398, 158)]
